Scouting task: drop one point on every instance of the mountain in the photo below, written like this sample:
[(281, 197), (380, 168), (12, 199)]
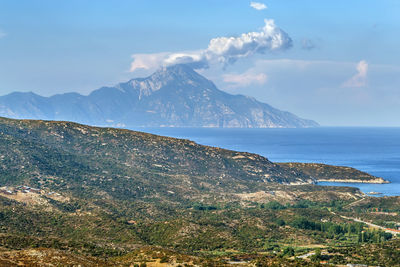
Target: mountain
[(174, 96)]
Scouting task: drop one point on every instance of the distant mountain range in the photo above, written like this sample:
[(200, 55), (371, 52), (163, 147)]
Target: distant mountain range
[(174, 96)]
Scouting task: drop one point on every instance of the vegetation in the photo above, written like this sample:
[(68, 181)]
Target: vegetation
[(324, 172), (99, 196)]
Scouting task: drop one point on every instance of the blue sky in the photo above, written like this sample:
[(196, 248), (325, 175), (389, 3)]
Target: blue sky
[(342, 67)]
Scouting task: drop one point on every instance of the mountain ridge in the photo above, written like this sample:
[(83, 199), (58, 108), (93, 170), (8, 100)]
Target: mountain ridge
[(174, 96), (39, 151)]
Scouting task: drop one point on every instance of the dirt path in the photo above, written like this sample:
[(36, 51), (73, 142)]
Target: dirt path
[(387, 230), (355, 202)]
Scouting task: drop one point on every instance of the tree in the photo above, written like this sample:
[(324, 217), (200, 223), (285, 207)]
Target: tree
[(288, 251), (317, 256)]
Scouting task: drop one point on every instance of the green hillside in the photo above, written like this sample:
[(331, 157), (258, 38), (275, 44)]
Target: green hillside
[(75, 194)]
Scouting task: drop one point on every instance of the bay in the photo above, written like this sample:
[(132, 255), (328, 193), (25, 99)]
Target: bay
[(370, 149)]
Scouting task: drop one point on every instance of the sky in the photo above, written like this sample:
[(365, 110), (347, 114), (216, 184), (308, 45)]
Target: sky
[(336, 62)]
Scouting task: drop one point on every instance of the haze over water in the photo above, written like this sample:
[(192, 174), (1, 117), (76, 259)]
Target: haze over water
[(373, 150)]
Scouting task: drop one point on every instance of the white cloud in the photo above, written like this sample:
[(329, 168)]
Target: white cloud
[(258, 6), (245, 79), (147, 61), (221, 50), (229, 49), (197, 59), (359, 79)]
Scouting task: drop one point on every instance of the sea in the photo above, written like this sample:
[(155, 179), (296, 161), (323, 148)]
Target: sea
[(373, 150)]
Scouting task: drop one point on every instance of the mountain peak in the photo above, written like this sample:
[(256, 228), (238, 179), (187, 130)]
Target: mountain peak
[(174, 76), (184, 68), (180, 72), (177, 69)]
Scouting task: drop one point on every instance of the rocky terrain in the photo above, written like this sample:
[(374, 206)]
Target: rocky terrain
[(175, 96)]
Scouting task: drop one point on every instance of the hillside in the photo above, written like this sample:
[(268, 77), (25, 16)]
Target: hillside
[(75, 194), (123, 163), (173, 96)]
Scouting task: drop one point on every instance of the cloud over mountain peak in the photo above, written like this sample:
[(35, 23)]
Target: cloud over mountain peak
[(221, 50)]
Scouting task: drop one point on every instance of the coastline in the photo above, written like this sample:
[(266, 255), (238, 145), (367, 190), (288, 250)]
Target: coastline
[(355, 181), (334, 146)]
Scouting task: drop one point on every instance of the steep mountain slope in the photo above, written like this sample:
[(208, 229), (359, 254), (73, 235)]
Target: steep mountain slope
[(173, 96)]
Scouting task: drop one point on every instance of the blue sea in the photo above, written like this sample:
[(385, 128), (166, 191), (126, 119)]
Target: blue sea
[(373, 150)]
